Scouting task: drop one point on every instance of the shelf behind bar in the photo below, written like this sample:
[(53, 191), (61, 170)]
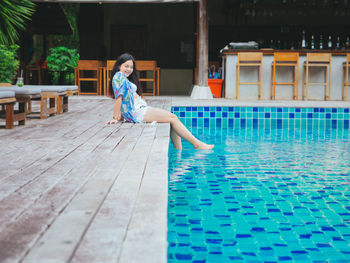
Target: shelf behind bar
[(272, 51)]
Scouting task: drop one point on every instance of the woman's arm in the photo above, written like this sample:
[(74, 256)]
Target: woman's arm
[(116, 111)]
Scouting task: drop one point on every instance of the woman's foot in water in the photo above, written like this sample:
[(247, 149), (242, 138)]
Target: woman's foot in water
[(204, 146)]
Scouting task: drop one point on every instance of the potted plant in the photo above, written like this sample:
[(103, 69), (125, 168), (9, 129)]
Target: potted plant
[(61, 63), (8, 63)]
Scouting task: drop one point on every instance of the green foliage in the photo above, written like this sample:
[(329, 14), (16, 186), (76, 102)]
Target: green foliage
[(8, 63), (13, 16), (62, 59)]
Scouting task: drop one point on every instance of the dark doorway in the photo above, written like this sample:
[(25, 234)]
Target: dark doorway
[(130, 39)]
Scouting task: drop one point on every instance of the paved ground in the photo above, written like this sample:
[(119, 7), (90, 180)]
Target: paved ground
[(73, 189)]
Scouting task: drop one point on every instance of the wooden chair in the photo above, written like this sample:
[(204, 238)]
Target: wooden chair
[(285, 59), (146, 67), (249, 59), (346, 83), (318, 60), (89, 71), (30, 72), (107, 76)]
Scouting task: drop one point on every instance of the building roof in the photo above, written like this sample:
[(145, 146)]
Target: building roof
[(118, 1)]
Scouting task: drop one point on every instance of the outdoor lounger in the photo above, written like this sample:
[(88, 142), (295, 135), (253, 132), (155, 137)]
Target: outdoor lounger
[(48, 96), (29, 94), (8, 101), (59, 92)]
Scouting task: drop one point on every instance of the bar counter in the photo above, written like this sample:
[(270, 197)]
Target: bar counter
[(283, 92)]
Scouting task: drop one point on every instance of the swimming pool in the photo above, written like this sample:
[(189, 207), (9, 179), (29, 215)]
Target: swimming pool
[(279, 192)]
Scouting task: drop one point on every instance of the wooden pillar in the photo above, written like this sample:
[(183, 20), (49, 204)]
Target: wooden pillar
[(202, 53)]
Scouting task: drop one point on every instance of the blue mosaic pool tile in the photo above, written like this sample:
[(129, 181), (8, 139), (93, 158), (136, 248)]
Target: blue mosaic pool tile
[(252, 206), (265, 117)]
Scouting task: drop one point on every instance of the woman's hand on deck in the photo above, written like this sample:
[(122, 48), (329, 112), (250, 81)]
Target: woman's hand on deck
[(112, 121)]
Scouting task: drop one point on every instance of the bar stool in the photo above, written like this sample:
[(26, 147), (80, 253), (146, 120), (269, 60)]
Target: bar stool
[(285, 59), (89, 71), (346, 83), (249, 59), (320, 60)]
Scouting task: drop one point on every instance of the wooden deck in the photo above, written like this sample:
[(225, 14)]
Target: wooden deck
[(73, 189)]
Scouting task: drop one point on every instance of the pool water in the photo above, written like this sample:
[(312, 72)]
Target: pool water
[(274, 195)]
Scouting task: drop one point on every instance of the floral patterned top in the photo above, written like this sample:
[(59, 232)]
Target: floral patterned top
[(122, 87)]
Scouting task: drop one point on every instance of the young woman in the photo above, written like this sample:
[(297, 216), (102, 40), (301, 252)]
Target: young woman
[(130, 105)]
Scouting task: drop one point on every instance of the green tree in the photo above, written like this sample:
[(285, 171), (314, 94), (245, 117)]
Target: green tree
[(13, 16), (61, 63), (8, 63)]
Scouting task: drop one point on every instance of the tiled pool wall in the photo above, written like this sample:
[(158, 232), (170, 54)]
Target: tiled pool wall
[(263, 117)]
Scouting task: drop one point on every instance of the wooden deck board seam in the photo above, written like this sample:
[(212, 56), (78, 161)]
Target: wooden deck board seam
[(83, 253), (36, 249), (67, 201), (100, 205), (15, 216)]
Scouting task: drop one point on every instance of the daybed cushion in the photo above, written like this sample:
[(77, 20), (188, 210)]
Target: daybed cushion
[(7, 94), (72, 87), (22, 90), (49, 88)]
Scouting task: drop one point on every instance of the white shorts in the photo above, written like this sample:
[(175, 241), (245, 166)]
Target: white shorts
[(140, 109)]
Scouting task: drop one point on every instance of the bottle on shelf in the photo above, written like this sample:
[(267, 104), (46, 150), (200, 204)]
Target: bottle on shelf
[(347, 43), (312, 43), (337, 45), (321, 42), (303, 40), (330, 44)]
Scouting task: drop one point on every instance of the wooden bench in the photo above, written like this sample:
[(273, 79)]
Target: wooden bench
[(49, 96), (8, 101), (53, 99)]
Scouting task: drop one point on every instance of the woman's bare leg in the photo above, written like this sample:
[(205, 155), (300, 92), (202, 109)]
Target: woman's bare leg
[(176, 139), (160, 115)]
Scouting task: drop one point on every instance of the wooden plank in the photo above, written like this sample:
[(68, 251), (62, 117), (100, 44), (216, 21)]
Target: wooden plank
[(55, 125), (45, 153), (104, 238), (149, 219), (19, 236), (55, 155), (15, 203), (76, 187), (163, 130), (7, 100), (36, 137), (59, 242), (9, 108)]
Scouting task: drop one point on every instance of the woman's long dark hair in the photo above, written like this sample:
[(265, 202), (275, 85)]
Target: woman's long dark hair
[(134, 78)]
